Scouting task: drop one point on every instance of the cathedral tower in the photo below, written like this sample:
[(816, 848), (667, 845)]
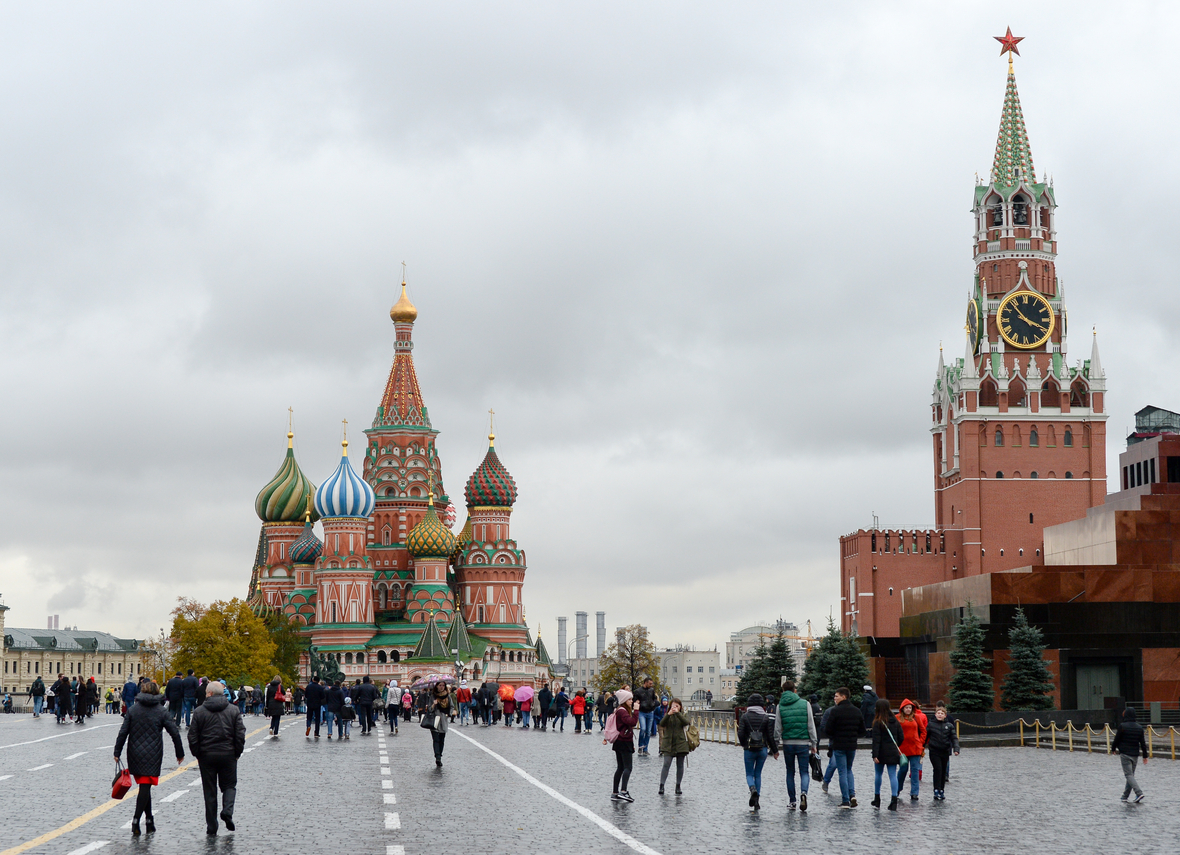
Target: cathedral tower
[(283, 505), (344, 571)]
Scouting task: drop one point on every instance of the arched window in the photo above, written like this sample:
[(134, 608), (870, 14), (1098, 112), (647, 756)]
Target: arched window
[(381, 658), (386, 533), (347, 658), (1067, 440), (1019, 211), (997, 214), (1034, 439), (999, 438), (1050, 394), (503, 656), (1033, 474), (395, 656), (1017, 394), (999, 474), (360, 659), (1069, 475)]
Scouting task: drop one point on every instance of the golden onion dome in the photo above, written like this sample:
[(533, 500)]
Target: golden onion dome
[(403, 311), (430, 538)]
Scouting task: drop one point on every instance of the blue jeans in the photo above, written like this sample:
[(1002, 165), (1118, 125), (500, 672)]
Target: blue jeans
[(189, 703), (37, 701), (524, 717), (831, 770), (313, 718), (914, 768), (797, 755), (645, 728), (329, 717), (844, 769), (755, 760), (892, 770)]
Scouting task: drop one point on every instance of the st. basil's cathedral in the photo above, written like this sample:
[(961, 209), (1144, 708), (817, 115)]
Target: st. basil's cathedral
[(390, 591)]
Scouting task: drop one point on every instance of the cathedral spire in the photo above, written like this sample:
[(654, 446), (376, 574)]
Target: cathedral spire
[(1013, 161), (401, 403)]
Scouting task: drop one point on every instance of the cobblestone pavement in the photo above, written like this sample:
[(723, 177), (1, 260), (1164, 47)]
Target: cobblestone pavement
[(511, 791)]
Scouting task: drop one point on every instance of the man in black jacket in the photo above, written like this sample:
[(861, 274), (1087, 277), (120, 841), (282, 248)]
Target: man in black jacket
[(217, 738), (544, 699), (868, 707), (364, 697), (845, 726), (314, 698), (1129, 743), (190, 696), (646, 702), (174, 695)]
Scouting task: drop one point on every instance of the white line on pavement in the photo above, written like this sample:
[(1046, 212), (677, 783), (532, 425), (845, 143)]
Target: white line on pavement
[(385, 785), (90, 847), (390, 798), (612, 830), (6, 777), (392, 821), (395, 849), (39, 768), (60, 735), (384, 770), (76, 756), (171, 797)]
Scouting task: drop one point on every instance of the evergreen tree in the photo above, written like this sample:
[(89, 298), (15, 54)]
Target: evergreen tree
[(1029, 682), (971, 687), (849, 667), (779, 664)]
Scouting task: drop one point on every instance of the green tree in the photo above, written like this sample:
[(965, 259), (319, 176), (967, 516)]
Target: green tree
[(289, 646), (818, 667), (221, 640), (849, 667), (1029, 682), (765, 673), (627, 661), (971, 687)]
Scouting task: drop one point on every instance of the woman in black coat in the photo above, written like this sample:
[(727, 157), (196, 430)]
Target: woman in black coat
[(887, 738), (142, 731), (276, 703)]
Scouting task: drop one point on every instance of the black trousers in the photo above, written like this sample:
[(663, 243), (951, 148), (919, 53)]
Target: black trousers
[(365, 714), (218, 771), (623, 760), (439, 739), (274, 723), (938, 761)]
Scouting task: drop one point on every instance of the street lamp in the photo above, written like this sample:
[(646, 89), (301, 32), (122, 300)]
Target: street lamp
[(568, 666)]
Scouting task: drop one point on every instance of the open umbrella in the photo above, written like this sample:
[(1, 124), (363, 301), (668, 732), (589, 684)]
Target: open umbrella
[(524, 693), (506, 692)]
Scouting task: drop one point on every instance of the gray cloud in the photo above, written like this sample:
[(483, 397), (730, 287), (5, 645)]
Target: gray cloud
[(700, 262)]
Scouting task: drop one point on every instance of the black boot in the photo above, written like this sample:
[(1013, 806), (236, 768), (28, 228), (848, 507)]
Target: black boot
[(227, 807), (893, 803), (876, 802)]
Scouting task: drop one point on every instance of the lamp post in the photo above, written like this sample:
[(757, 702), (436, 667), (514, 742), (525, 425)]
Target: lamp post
[(568, 659)]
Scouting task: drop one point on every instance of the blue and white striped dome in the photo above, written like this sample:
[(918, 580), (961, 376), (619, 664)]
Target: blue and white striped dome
[(344, 493)]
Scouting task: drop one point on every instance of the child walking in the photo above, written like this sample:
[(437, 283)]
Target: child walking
[(941, 740)]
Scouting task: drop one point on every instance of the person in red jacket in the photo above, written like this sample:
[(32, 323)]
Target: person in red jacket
[(625, 720), (578, 707), (913, 725), (463, 696)]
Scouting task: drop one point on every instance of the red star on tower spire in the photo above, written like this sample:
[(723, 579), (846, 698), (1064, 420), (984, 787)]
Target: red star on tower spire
[(1008, 43)]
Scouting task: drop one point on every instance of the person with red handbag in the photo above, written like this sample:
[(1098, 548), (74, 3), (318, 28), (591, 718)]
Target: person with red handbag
[(142, 732)]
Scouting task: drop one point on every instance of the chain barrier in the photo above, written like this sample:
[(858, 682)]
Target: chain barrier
[(1149, 732)]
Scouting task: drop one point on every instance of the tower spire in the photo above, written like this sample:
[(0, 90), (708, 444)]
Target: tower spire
[(1013, 160)]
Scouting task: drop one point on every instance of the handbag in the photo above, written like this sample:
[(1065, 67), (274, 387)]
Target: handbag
[(817, 770), (432, 722), (904, 760), (121, 785)]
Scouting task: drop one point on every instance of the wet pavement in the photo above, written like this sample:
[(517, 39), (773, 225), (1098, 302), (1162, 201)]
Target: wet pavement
[(507, 790)]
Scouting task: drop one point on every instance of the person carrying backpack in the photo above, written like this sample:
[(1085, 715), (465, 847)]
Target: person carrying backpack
[(620, 735), (673, 742), (756, 735)]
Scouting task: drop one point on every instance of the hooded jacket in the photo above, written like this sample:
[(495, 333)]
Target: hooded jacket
[(755, 720), (868, 708), (1129, 740), (142, 732), (217, 729), (914, 730), (941, 736)]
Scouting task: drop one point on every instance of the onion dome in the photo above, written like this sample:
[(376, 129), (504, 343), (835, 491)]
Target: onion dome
[(403, 311), (430, 538), (490, 485), (307, 547), (344, 493), (464, 538), (285, 497)]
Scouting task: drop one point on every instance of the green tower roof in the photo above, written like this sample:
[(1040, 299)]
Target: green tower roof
[(542, 653), (430, 645), (457, 637), (1013, 161)]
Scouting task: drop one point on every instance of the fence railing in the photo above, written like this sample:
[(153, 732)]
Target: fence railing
[(1095, 739), (722, 729)]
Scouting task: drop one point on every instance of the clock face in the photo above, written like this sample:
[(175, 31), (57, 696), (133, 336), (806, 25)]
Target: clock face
[(1025, 319), (973, 324)]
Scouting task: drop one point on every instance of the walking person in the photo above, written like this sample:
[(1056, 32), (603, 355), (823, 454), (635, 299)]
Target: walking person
[(914, 745), (142, 732), (464, 698), (174, 697), (439, 715), (1129, 743), (625, 720), (588, 715), (941, 739), (756, 735), (333, 704), (276, 703), (130, 692), (37, 694), (868, 707), (845, 726), (347, 717), (578, 708), (673, 742), (544, 701), (190, 696), (87, 696), (365, 699), (407, 704), (314, 698), (217, 738), (794, 729), (887, 741), (647, 700), (562, 703), (600, 710), (61, 697)]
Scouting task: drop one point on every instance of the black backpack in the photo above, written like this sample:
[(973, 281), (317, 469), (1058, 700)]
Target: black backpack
[(756, 740)]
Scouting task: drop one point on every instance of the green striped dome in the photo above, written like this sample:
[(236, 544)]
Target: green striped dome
[(286, 497)]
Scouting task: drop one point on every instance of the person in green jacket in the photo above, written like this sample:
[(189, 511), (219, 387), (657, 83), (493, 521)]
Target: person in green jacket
[(673, 742), (794, 728)]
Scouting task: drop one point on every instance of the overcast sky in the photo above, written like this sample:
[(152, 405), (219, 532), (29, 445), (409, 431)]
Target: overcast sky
[(698, 257)]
